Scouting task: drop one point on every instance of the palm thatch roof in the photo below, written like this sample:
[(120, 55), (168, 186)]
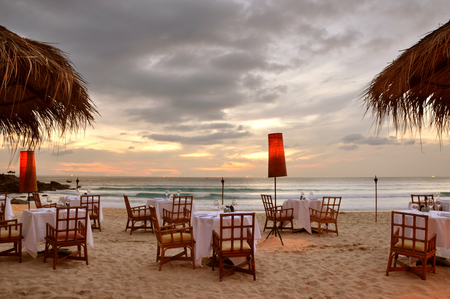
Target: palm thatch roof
[(41, 94), (414, 90)]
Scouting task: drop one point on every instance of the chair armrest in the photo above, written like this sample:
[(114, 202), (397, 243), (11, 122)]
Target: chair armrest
[(82, 228), (50, 230), (216, 240), (432, 243), (7, 222)]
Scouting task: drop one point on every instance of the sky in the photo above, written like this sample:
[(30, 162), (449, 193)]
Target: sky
[(193, 88)]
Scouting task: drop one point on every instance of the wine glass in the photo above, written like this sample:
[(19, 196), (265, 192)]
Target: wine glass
[(430, 203), (311, 195), (216, 203), (171, 196), (178, 192), (415, 206), (438, 203), (49, 199), (302, 195), (88, 191), (234, 203), (167, 194)]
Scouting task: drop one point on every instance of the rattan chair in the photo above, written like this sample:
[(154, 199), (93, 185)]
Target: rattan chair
[(92, 204), (181, 211), (409, 237), (38, 203), (137, 214), (11, 232), (328, 214), (282, 215), (70, 231), (169, 237), (422, 200), (3, 197), (235, 239)]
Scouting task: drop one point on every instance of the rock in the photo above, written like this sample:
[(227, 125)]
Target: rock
[(10, 184)]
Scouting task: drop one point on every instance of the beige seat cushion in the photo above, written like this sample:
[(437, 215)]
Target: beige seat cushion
[(62, 236), (420, 246), (226, 245), (5, 233), (176, 237)]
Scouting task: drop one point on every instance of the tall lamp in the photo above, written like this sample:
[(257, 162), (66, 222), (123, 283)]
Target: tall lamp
[(277, 168), (28, 181)]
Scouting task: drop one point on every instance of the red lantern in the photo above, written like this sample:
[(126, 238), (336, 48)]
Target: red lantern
[(28, 181)]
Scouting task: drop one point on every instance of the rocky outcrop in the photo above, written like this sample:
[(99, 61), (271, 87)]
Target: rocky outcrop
[(10, 184)]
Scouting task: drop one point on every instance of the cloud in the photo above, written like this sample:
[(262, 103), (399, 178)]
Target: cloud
[(215, 138), (359, 139)]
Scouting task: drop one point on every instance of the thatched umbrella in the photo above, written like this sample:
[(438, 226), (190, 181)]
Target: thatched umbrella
[(41, 95), (415, 88)]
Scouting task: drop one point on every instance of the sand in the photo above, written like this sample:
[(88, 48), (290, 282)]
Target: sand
[(351, 265)]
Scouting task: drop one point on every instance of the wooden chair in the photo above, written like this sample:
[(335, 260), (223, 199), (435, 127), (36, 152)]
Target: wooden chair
[(281, 214), (181, 211), (327, 215), (137, 214), (3, 197), (38, 203), (422, 200), (235, 239), (170, 237), (11, 232), (92, 204), (70, 230), (409, 237)]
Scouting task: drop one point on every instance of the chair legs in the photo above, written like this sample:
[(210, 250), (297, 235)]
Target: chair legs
[(133, 227), (420, 271)]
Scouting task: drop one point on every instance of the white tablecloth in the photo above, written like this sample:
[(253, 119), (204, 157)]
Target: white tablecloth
[(34, 228), (437, 224), (203, 225), (9, 214), (301, 210), (161, 203), (75, 201)]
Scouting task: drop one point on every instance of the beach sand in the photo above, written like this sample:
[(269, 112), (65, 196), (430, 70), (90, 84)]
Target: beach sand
[(351, 265)]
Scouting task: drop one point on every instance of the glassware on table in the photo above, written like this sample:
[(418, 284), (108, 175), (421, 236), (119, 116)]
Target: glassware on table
[(234, 202), (49, 199), (302, 195), (438, 204), (178, 192), (88, 191), (167, 194), (430, 203), (216, 203), (171, 196)]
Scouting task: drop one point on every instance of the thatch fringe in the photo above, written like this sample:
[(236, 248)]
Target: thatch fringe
[(41, 94), (414, 90)]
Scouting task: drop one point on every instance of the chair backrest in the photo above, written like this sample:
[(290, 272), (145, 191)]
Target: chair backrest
[(331, 206), (421, 199), (233, 228), (127, 204), (71, 223), (37, 201), (268, 204), (182, 208), (3, 197), (90, 202), (155, 222), (409, 231)]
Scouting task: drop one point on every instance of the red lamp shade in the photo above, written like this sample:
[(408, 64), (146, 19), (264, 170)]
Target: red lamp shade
[(28, 181), (277, 162)]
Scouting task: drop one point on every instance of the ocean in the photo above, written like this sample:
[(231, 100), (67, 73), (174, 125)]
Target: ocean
[(358, 194)]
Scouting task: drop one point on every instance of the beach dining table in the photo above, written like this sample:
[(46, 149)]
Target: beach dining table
[(301, 210), (161, 203), (445, 205), (203, 225), (439, 224), (35, 225), (9, 214), (75, 201)]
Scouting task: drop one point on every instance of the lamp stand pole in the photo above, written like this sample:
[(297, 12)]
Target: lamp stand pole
[(376, 204), (222, 189), (275, 227)]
